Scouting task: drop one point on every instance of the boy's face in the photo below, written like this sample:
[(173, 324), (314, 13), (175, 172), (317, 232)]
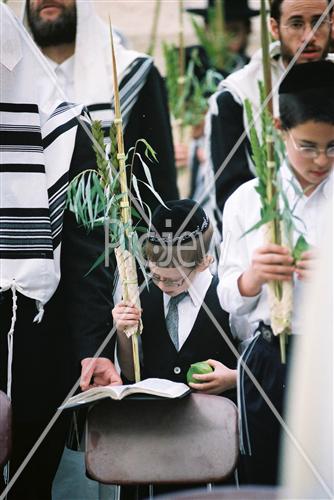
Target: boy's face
[(172, 280), (301, 141)]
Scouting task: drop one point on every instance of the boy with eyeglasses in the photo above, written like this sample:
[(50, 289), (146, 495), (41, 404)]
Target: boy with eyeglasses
[(302, 30), (183, 322), (306, 102)]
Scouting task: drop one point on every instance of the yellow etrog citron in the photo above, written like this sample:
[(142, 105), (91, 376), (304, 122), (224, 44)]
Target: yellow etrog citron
[(198, 368)]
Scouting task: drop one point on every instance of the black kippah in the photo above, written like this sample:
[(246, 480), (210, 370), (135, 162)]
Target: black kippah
[(169, 223), (308, 76)]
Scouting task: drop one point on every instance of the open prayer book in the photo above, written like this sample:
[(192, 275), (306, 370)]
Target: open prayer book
[(158, 387)]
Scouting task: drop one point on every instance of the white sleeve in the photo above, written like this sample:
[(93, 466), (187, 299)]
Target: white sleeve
[(234, 259)]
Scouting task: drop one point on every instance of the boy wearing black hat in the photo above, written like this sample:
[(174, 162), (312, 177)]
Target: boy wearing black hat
[(306, 103), (177, 309)]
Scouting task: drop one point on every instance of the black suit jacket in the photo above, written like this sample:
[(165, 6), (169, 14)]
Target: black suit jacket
[(161, 359)]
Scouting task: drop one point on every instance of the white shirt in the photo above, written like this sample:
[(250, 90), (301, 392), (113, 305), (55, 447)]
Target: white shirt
[(241, 212), (65, 75), (189, 307)]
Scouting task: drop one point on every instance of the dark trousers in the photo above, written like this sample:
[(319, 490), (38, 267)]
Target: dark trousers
[(35, 482), (260, 429)]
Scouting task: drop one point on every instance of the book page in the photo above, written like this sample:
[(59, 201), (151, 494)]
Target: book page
[(95, 394), (154, 386), (158, 387)]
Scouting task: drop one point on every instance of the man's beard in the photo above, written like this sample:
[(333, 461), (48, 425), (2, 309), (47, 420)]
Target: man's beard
[(57, 32), (288, 56)]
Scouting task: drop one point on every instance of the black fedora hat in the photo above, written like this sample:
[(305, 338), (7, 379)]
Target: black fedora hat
[(234, 10)]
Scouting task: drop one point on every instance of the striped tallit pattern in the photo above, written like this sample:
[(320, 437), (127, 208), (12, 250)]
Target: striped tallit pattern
[(129, 88), (30, 227), (34, 166), (25, 231)]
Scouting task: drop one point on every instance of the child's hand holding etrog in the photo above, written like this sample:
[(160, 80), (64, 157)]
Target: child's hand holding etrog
[(218, 380)]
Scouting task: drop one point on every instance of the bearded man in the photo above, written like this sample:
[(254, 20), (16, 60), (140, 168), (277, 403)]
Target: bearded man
[(294, 25), (76, 43), (53, 316)]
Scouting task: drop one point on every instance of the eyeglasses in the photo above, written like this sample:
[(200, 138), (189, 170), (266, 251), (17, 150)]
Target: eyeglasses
[(312, 152), (169, 283), (295, 27)]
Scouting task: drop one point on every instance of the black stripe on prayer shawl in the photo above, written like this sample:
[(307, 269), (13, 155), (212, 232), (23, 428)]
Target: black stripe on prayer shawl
[(58, 191), (99, 107), (25, 233), (64, 106), (18, 108), (57, 200), (21, 167), (17, 139), (129, 88), (57, 186), (133, 82), (49, 139), (28, 212), (21, 149), (34, 233), (21, 254), (18, 128), (132, 69)]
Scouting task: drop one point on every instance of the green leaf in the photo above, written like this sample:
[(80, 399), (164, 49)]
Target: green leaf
[(135, 213), (88, 200), (300, 247), (156, 194), (149, 151), (267, 215), (141, 229), (136, 189), (146, 170)]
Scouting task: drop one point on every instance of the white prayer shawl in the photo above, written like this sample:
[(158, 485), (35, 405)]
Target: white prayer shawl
[(36, 148), (244, 84), (93, 83)]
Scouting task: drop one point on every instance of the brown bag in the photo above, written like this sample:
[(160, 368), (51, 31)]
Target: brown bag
[(5, 428)]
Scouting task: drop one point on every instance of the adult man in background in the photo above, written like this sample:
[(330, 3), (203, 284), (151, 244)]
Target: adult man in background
[(293, 25), (54, 316), (238, 27), (76, 42)]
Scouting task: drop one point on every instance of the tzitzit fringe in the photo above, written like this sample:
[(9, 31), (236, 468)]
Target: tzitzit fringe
[(10, 335), (10, 341)]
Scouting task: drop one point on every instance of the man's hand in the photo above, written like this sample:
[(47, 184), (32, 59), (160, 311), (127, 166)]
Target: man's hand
[(305, 267), (98, 371), (125, 314), (269, 262), (216, 382)]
